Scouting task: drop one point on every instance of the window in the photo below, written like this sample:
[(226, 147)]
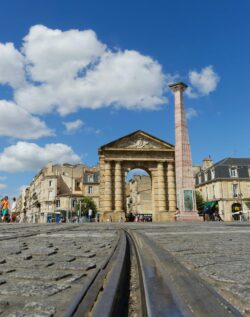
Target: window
[(77, 185), (51, 195), (213, 191), (74, 203), (206, 176), (199, 178), (212, 173), (50, 183), (57, 203), (90, 190), (235, 190), (233, 172), (91, 178)]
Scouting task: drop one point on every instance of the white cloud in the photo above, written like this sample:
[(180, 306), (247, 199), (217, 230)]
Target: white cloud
[(191, 113), (203, 82), (54, 55), (11, 65), (2, 178), (24, 156), (73, 69), (2, 186), (72, 126), (18, 123)]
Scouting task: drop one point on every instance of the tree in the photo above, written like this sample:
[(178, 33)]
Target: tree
[(199, 200), (85, 204)]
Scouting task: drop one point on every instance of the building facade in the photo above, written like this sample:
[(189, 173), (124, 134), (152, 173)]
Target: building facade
[(227, 185), (55, 191), (139, 195)]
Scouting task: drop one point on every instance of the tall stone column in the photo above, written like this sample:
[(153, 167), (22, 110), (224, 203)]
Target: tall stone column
[(107, 188), (171, 187), (118, 187), (185, 187), (161, 187)]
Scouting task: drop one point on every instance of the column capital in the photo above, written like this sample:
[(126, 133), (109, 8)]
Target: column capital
[(180, 86)]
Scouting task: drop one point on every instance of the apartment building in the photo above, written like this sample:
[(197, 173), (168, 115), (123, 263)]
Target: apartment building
[(226, 185), (55, 191)]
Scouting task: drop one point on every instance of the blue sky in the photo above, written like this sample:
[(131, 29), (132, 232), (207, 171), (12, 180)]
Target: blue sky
[(114, 77)]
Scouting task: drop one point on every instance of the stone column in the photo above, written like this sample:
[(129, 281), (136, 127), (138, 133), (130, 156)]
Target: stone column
[(171, 187), (118, 187), (161, 187), (183, 161), (108, 188)]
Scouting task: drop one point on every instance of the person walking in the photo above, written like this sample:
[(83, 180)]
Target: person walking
[(13, 210), (90, 213), (5, 209)]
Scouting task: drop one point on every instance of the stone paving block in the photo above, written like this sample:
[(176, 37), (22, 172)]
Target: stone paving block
[(39, 275), (80, 254), (75, 266), (34, 309), (6, 269), (31, 288)]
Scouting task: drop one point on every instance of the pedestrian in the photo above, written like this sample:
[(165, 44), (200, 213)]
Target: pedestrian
[(13, 210), (177, 214), (90, 213), (5, 209), (1, 208)]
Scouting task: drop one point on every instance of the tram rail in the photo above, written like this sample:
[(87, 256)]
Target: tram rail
[(164, 287), (167, 288)]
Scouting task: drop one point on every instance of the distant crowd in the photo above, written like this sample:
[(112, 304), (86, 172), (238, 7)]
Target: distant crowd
[(7, 210)]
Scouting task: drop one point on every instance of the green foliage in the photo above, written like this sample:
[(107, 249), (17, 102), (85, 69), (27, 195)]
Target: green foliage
[(85, 204), (199, 200)]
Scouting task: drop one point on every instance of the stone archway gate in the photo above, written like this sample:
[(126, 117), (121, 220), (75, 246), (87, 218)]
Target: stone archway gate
[(137, 150)]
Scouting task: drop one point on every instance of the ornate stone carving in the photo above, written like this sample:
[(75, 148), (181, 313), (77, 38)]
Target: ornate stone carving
[(138, 143)]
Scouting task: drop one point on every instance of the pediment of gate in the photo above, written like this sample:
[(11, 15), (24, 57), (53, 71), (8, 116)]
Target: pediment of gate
[(138, 140)]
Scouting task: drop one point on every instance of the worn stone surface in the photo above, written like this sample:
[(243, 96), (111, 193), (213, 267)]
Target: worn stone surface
[(36, 282), (218, 252), (43, 267)]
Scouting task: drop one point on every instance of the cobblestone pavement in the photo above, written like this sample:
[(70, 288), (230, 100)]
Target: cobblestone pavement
[(42, 267), (218, 252)]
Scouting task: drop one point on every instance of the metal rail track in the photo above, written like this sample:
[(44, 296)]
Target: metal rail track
[(167, 288), (172, 290)]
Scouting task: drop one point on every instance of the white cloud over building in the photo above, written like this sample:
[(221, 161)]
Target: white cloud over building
[(25, 156)]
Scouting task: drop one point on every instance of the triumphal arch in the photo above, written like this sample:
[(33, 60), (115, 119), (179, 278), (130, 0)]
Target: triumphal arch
[(137, 150)]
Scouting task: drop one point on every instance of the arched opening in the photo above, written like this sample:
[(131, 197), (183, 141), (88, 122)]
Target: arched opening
[(236, 211), (138, 196)]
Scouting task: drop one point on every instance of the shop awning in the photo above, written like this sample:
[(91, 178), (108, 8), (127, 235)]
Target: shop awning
[(210, 204)]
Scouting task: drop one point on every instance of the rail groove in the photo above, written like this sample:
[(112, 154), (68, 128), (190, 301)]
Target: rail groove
[(167, 288)]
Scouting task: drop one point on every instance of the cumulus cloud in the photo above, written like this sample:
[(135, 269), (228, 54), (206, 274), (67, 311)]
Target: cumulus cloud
[(191, 113), (18, 123), (53, 55), (11, 66), (72, 126), (203, 82), (24, 156), (65, 71), (68, 70)]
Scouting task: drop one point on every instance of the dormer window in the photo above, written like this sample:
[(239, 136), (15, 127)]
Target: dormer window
[(233, 172), (206, 176), (212, 173), (90, 178)]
